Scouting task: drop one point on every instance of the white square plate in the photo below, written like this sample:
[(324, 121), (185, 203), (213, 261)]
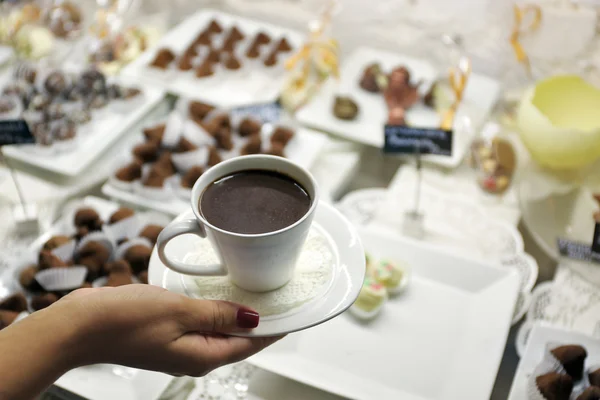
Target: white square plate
[(428, 343), (539, 338), (225, 89), (90, 146), (479, 98)]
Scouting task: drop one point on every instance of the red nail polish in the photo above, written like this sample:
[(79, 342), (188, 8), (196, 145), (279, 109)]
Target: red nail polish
[(247, 319)]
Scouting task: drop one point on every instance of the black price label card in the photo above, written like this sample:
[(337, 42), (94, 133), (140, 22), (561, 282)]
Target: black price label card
[(15, 131), (406, 140), (264, 112)]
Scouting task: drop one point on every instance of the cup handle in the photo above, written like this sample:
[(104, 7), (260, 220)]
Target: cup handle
[(178, 228)]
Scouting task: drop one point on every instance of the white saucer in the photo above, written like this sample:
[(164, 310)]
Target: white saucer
[(348, 275)]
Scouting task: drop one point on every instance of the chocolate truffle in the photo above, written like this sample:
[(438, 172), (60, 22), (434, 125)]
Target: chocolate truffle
[(138, 257), (185, 62), (253, 146), (282, 135), (572, 358), (89, 218), (591, 393), (223, 120), (368, 81), (204, 38), (271, 59), (121, 214), (224, 139), (235, 34), (155, 178), (143, 277), (283, 46), (205, 69), (48, 260), (155, 133), (232, 63), (92, 80), (93, 255), (191, 176), (184, 145), (43, 300), (163, 58), (146, 152), (262, 38), (249, 126), (213, 56), (16, 302), (130, 172), (119, 279), (554, 386), (190, 52), (345, 108), (229, 46), (253, 51), (55, 83), (56, 241), (120, 266), (164, 164), (594, 377), (7, 318), (199, 110), (276, 150), (27, 279), (213, 157), (214, 27), (152, 231)]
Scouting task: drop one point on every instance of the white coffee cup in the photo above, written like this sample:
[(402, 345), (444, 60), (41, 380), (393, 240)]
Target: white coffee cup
[(255, 262)]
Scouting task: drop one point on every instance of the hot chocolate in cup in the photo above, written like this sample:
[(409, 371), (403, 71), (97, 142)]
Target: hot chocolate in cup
[(256, 211)]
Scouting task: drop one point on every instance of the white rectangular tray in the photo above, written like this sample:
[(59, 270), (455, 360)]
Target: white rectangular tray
[(237, 88), (103, 133), (539, 338), (479, 98), (441, 339)]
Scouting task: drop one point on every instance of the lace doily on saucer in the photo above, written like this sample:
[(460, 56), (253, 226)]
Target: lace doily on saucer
[(313, 276)]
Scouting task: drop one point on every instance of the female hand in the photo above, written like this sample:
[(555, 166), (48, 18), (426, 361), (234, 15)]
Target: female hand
[(140, 326)]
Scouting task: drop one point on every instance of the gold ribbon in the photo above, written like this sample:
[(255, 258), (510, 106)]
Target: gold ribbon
[(520, 13), (317, 50), (458, 78)]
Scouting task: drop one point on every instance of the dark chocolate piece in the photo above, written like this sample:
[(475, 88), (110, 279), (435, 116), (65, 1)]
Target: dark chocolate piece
[(120, 266), (146, 152), (368, 81), (214, 27), (235, 34), (27, 279), (184, 145), (89, 218), (16, 302), (276, 150), (213, 157), (48, 260), (143, 277), (262, 38), (155, 133), (43, 300), (121, 214), (199, 110), (163, 58), (249, 126), (205, 69), (152, 231), (232, 63), (93, 255), (572, 358), (56, 241), (271, 59), (56, 82), (591, 393), (224, 139), (554, 386), (191, 176), (138, 257), (594, 377), (253, 51), (282, 135), (283, 46), (253, 146), (130, 172)]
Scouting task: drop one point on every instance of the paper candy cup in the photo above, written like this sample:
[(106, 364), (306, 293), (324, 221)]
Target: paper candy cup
[(122, 249), (58, 279), (185, 161), (173, 130), (197, 134), (126, 228), (66, 251), (153, 193)]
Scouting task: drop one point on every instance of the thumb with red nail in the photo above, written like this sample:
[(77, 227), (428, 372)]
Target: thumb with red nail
[(140, 326)]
